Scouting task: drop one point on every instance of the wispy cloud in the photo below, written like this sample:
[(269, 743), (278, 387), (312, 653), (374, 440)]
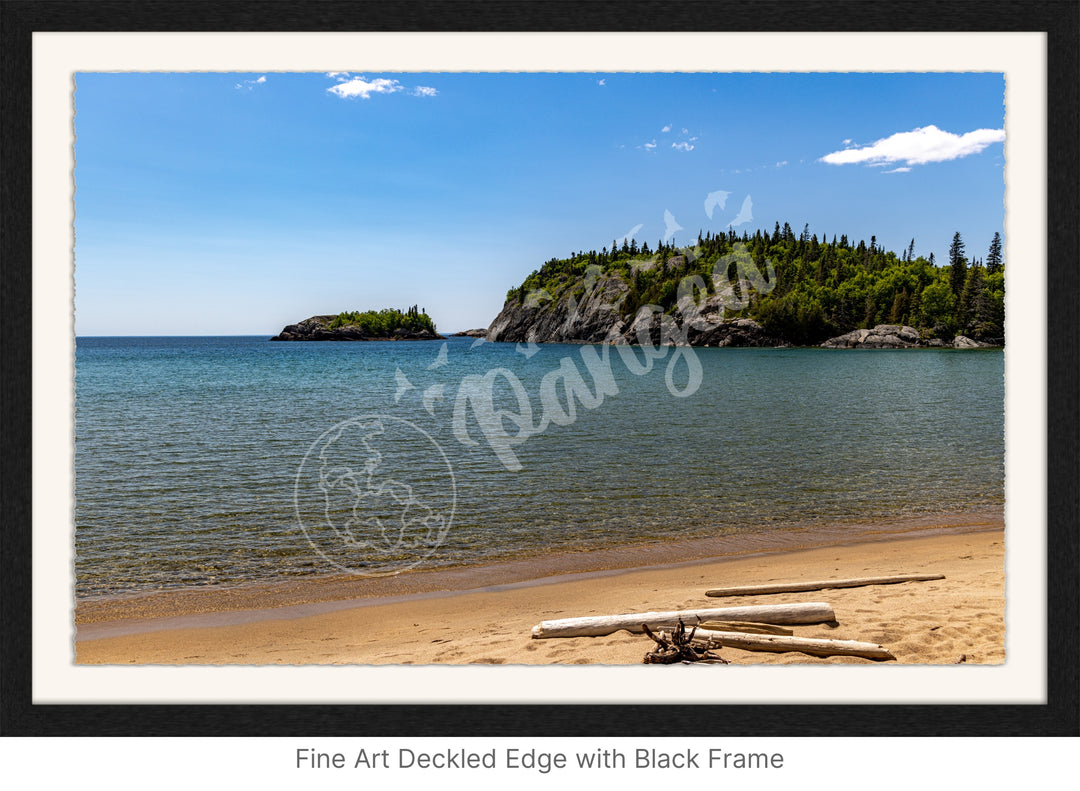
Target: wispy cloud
[(682, 146), (250, 84), (918, 147), (897, 170), (649, 146), (602, 82), (666, 128), (781, 163), (350, 86)]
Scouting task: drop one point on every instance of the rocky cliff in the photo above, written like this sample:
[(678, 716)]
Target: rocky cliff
[(595, 314)]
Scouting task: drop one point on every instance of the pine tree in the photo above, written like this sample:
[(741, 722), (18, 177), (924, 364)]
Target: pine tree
[(993, 258), (966, 307), (957, 265)]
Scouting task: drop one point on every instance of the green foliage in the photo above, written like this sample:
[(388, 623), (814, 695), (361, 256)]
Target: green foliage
[(810, 289), (383, 323), (938, 306)]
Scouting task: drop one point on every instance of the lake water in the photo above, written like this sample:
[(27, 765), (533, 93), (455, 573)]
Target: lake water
[(225, 460)]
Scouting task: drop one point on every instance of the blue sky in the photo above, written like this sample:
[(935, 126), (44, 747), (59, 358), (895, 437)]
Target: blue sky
[(210, 203)]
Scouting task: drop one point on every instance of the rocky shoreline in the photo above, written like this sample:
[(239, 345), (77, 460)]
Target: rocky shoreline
[(591, 317), (895, 336)]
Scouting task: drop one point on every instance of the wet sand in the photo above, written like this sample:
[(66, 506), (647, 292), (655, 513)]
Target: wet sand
[(421, 618)]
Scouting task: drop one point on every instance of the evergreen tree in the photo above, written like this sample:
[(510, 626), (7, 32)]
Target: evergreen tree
[(993, 258), (957, 265), (969, 298)]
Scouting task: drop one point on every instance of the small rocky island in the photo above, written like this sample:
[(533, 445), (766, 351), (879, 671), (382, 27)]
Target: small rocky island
[(384, 325)]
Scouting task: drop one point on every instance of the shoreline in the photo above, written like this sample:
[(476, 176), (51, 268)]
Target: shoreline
[(958, 619), (225, 607)]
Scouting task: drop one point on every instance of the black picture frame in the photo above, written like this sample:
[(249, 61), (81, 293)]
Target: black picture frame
[(1059, 716)]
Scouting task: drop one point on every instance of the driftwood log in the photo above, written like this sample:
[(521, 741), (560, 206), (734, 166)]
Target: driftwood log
[(599, 625), (798, 587), (747, 628), (783, 644)]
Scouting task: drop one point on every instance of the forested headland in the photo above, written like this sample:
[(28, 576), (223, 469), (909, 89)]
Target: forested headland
[(801, 289)]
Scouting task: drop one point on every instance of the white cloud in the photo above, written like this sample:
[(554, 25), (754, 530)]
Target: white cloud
[(250, 84), (666, 128), (682, 146), (650, 146), (686, 131), (897, 170), (358, 86), (423, 90), (693, 139), (781, 163), (602, 82), (338, 75), (918, 147), (847, 141)]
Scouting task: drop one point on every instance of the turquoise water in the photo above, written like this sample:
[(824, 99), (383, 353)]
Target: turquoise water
[(193, 464)]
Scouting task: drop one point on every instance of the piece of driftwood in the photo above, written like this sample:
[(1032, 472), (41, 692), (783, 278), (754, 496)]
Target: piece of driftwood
[(783, 644), (798, 587), (749, 628), (678, 647), (598, 625)]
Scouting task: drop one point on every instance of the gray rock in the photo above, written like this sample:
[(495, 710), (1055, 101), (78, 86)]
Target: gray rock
[(909, 334), (883, 336)]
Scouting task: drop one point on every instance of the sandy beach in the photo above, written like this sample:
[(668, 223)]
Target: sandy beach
[(934, 622)]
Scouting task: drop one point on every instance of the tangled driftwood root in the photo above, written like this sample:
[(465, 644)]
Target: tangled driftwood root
[(677, 647)]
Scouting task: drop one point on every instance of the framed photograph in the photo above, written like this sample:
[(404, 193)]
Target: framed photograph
[(372, 377)]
